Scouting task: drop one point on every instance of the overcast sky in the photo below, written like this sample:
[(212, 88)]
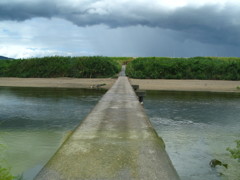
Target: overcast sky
[(175, 28)]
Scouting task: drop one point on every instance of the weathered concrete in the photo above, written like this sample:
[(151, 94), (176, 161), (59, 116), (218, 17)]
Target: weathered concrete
[(115, 141)]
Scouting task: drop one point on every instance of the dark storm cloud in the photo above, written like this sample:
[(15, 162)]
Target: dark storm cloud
[(23, 11), (207, 24)]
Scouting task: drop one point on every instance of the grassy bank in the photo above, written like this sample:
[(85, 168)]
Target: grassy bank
[(212, 68), (79, 67)]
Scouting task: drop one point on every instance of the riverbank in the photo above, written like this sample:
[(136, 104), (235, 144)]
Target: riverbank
[(187, 85), (145, 84), (85, 83)]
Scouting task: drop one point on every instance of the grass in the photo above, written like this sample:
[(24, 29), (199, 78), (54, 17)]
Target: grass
[(122, 60), (79, 67), (214, 68)]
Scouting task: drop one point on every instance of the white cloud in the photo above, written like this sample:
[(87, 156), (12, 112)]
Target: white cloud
[(19, 51), (43, 37)]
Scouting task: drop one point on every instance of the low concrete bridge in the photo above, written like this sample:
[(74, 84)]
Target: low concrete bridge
[(115, 141)]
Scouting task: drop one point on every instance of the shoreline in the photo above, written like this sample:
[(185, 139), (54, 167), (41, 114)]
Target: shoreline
[(144, 84), (81, 83), (187, 85)]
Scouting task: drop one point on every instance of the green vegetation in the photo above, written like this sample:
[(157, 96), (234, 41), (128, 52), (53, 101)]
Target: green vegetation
[(216, 68), (5, 174), (79, 67), (235, 153), (122, 60)]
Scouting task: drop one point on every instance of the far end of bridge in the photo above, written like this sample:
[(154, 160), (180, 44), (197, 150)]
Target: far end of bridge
[(115, 141)]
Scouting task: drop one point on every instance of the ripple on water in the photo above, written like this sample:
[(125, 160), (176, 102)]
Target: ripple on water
[(196, 129), (35, 121)]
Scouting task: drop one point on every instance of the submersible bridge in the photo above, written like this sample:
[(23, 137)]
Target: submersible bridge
[(116, 141)]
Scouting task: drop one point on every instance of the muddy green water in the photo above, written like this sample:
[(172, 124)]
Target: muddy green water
[(196, 127), (35, 121)]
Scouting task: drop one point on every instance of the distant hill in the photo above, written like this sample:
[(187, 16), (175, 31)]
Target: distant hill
[(4, 58)]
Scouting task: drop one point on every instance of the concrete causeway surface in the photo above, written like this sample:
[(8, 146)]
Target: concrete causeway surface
[(115, 141)]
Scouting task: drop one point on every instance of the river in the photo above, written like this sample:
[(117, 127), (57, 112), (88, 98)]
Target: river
[(35, 121), (196, 127)]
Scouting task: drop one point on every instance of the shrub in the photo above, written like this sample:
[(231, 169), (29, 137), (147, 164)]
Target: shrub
[(81, 67), (185, 68)]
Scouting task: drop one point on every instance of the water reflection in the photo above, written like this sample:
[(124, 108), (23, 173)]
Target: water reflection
[(45, 108), (196, 128)]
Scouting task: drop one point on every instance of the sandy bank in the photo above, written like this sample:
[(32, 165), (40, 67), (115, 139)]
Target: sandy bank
[(56, 82), (187, 85), (146, 84)]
